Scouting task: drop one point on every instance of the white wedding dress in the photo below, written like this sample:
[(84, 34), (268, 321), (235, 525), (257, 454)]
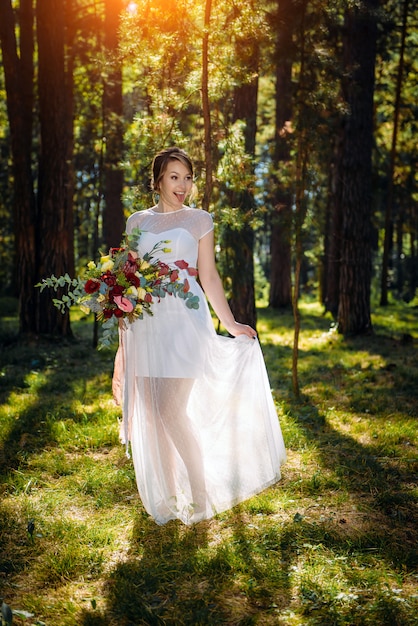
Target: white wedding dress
[(197, 406)]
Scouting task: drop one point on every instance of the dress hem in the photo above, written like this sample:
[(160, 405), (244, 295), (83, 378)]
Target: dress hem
[(223, 507)]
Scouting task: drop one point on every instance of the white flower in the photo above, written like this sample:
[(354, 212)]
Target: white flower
[(141, 293), (107, 265), (132, 291)]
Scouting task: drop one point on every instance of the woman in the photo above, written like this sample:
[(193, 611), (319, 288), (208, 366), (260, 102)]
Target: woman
[(197, 407)]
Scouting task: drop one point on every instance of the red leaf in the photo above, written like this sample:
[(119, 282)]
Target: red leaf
[(186, 287), (192, 271), (163, 269), (181, 265)]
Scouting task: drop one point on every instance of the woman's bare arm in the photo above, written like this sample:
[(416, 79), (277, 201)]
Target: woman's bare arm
[(213, 288)]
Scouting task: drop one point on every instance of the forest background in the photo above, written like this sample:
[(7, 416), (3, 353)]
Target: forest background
[(301, 117)]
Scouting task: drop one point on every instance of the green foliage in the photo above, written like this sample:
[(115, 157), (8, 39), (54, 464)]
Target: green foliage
[(73, 293), (160, 51)]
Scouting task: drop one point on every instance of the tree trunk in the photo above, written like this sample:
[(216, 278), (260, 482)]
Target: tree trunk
[(300, 203), (240, 247), (18, 70), (333, 233), (55, 217), (388, 215), (400, 280), (113, 216), (413, 257), (240, 243), (281, 222), (359, 49)]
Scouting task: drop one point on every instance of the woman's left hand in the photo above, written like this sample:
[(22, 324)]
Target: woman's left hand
[(242, 329)]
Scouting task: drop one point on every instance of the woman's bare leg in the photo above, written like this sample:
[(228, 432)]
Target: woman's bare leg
[(172, 395)]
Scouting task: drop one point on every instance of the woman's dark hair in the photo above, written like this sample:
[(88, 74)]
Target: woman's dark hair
[(161, 161)]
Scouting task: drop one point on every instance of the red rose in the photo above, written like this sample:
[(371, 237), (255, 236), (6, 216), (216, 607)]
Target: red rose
[(131, 265), (91, 286), (117, 290), (109, 278), (134, 280), (148, 298), (118, 313), (107, 313)]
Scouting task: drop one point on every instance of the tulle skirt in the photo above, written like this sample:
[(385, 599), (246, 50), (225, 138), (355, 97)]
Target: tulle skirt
[(197, 411)]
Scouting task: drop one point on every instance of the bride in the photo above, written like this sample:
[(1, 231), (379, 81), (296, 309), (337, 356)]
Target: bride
[(197, 406)]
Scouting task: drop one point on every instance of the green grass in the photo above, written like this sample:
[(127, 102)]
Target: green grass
[(334, 543)]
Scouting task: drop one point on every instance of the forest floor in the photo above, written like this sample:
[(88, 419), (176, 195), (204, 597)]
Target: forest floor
[(333, 543)]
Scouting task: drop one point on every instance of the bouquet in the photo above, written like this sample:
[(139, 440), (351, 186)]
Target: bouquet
[(123, 286)]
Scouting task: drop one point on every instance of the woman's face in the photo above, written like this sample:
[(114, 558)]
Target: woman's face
[(175, 185)]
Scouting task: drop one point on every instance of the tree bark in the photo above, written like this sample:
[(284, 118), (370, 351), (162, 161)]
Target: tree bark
[(387, 246), (55, 216), (240, 243), (18, 70), (113, 216), (333, 232), (359, 49), (300, 202), (281, 221)]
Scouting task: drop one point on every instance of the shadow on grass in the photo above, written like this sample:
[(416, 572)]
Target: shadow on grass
[(173, 576), (61, 372), (380, 488), (234, 570)]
